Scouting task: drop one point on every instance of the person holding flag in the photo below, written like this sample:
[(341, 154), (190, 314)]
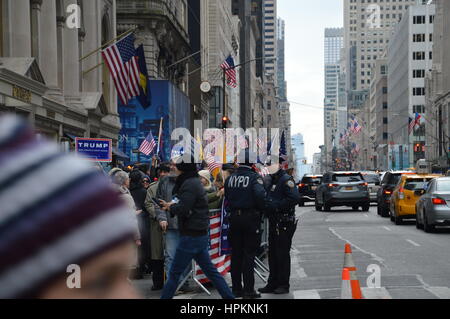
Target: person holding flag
[(148, 145)]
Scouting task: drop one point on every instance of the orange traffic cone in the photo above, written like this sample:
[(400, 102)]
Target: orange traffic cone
[(346, 290), (350, 265)]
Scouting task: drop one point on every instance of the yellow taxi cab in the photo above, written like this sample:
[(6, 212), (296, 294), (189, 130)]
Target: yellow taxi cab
[(406, 194)]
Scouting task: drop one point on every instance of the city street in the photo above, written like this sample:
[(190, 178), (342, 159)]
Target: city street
[(413, 264)]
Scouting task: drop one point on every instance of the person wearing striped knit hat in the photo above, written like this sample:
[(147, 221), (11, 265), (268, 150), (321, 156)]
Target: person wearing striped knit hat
[(64, 231)]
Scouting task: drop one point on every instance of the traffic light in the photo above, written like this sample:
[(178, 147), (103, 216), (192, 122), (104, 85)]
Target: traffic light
[(225, 121)]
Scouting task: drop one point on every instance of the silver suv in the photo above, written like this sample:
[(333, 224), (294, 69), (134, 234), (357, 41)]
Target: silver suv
[(343, 189)]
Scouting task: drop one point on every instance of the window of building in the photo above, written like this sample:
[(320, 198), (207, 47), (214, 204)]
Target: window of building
[(419, 108), (419, 55), (418, 74), (419, 20), (419, 37), (418, 91)]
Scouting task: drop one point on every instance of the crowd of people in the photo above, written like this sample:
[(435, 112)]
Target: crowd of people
[(74, 234), (157, 232), (173, 202)]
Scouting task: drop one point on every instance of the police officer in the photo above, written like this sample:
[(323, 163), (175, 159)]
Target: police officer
[(283, 198), (246, 196)]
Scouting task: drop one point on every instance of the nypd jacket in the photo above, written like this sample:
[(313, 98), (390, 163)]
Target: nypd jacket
[(283, 195), (244, 190)]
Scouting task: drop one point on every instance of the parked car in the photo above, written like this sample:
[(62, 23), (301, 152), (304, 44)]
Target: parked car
[(343, 189), (432, 209), (388, 183), (373, 179), (307, 188), (405, 196)]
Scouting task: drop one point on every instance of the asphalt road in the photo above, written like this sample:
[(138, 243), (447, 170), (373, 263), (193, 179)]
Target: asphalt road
[(412, 264)]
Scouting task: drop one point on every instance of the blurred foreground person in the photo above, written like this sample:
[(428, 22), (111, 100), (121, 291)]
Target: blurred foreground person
[(190, 206), (57, 215)]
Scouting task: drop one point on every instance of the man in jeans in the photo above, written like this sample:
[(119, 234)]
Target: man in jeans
[(190, 205), (169, 225)]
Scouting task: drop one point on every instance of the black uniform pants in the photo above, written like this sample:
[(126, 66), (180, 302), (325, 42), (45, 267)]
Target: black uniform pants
[(245, 240), (280, 242)]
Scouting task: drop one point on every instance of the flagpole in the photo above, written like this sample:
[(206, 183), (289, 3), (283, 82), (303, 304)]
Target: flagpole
[(160, 133), (109, 42)]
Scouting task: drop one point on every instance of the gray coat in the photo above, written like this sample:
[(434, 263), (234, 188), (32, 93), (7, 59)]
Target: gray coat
[(164, 192), (156, 234)]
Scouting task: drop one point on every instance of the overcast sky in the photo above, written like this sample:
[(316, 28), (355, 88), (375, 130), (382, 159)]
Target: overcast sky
[(305, 24)]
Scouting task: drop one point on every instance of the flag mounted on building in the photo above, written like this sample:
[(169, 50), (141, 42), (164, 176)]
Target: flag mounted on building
[(145, 96), (414, 122), (122, 61), (228, 67), (148, 145)]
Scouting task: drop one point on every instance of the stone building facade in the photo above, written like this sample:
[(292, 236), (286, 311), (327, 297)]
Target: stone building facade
[(42, 74)]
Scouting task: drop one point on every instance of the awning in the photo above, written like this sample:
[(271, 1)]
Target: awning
[(120, 154), (70, 136)]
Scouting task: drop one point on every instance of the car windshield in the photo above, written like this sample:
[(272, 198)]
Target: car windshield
[(416, 184), (372, 178), (443, 186), (393, 179), (311, 180), (347, 178)]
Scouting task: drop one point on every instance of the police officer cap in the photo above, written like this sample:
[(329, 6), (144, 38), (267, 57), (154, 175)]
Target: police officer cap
[(228, 166), (249, 160)]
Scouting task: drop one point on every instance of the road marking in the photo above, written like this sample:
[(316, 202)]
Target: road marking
[(412, 243), (366, 215), (306, 294), (387, 228), (295, 263), (440, 292), (374, 257), (376, 293)]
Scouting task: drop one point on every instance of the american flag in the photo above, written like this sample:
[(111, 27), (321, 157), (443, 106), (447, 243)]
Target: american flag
[(212, 164), (357, 128), (261, 144), (121, 59), (221, 262), (242, 142), (148, 145), (230, 71), (414, 122), (411, 125)]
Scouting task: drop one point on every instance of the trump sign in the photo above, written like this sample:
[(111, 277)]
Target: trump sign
[(94, 149)]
